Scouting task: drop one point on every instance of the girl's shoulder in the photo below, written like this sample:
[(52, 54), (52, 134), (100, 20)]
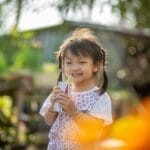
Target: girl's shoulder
[(103, 108), (105, 97), (104, 100)]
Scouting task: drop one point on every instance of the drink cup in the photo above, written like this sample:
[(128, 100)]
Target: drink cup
[(64, 87)]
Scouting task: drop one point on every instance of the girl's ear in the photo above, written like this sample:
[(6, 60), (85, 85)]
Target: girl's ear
[(96, 67)]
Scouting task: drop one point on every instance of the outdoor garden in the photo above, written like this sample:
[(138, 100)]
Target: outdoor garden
[(28, 72)]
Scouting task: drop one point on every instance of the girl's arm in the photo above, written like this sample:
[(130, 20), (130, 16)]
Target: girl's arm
[(50, 116)]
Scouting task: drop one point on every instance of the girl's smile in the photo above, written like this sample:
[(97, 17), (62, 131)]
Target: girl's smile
[(81, 68), (76, 75)]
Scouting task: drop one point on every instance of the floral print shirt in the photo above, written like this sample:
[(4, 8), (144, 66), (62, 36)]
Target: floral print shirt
[(64, 128)]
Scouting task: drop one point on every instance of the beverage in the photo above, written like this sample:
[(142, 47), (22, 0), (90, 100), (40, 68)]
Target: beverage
[(64, 87)]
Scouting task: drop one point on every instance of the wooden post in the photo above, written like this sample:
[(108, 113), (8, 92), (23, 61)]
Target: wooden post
[(20, 96)]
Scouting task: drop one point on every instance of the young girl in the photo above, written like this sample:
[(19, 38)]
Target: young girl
[(87, 107)]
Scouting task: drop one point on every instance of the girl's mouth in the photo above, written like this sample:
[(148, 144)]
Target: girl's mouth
[(75, 75)]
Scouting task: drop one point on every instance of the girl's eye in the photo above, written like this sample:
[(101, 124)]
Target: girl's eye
[(68, 62), (82, 62)]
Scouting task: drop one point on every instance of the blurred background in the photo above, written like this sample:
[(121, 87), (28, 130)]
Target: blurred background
[(30, 33)]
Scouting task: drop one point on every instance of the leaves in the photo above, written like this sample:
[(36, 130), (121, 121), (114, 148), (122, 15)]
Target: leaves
[(139, 8)]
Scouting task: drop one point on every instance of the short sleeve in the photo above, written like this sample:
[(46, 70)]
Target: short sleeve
[(102, 109), (45, 106)]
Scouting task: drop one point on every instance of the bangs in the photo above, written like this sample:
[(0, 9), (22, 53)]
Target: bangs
[(85, 48), (78, 48)]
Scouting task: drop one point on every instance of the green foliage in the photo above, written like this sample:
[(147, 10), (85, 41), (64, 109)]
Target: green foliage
[(49, 68), (5, 105), (27, 58), (19, 53), (138, 9), (7, 129), (66, 5), (3, 64)]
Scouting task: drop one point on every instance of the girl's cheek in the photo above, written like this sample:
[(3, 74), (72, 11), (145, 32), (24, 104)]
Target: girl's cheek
[(67, 74), (67, 70)]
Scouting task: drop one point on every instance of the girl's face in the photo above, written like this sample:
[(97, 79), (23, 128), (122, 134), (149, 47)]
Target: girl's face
[(81, 68)]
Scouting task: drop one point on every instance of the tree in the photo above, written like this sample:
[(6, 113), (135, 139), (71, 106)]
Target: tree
[(138, 10), (8, 7)]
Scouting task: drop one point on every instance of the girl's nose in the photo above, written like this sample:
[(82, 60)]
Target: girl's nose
[(75, 67)]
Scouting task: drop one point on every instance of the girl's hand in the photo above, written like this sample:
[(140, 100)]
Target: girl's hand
[(54, 94), (66, 103)]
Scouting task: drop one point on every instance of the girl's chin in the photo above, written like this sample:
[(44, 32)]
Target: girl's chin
[(76, 80), (76, 77)]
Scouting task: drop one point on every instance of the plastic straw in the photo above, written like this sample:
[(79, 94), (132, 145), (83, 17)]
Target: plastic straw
[(66, 89)]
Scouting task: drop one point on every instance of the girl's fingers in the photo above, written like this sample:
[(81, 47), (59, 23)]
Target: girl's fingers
[(62, 97), (53, 96), (56, 95), (67, 104), (56, 91), (52, 99), (56, 87), (62, 102)]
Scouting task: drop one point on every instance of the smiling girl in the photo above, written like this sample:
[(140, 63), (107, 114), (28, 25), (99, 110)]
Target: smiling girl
[(86, 108)]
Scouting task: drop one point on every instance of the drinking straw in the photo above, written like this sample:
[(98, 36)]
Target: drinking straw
[(66, 88)]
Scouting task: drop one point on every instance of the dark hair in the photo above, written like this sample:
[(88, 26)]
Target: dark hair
[(83, 43)]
